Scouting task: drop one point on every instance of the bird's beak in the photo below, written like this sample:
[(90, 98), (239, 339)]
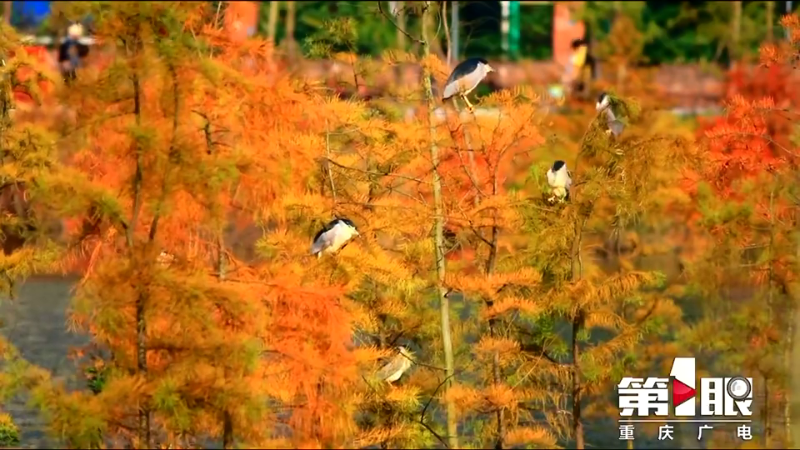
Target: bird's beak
[(490, 69)]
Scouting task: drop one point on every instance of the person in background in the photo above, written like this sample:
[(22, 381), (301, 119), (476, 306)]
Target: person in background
[(71, 52), (581, 67)]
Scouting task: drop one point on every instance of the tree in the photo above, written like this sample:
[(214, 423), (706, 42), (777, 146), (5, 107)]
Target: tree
[(746, 210), (28, 154), (146, 166)]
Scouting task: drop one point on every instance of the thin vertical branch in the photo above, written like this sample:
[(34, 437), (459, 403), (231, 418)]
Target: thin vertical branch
[(770, 20), (141, 299), (290, 25), (272, 24), (443, 14), (736, 30), (401, 25), (438, 237), (328, 160)]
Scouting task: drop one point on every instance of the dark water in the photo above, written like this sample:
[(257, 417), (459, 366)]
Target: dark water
[(35, 322)]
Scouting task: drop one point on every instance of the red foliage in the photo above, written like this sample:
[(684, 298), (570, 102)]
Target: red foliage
[(41, 54), (754, 134)]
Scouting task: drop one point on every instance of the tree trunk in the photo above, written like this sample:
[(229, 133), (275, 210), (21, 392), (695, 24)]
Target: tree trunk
[(401, 25), (770, 20), (455, 24), (577, 425), (577, 325), (434, 46), (290, 24), (736, 32), (496, 378), (274, 8), (227, 420), (141, 299), (438, 237), (7, 7), (449, 52)]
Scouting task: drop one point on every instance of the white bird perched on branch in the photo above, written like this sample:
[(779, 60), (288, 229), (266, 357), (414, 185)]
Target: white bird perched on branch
[(397, 366), (559, 178), (333, 237), (165, 259), (465, 78), (606, 105)]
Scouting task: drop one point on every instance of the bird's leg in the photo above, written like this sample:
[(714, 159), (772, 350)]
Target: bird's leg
[(455, 103), (470, 108)]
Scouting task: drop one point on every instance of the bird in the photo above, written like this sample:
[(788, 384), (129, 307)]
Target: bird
[(397, 366), (165, 258), (333, 237), (72, 51), (606, 105), (559, 178), (465, 78)]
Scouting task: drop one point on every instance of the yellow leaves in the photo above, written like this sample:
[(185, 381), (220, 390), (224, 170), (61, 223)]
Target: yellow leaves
[(585, 294), (437, 67), (602, 319), (791, 22), (377, 435), (403, 395), (492, 210), (465, 398), (533, 435), (393, 57), (488, 287), (471, 400), (506, 350), (526, 307)]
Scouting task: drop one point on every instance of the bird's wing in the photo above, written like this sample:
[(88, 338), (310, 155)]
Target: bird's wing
[(323, 239), (569, 180), (610, 117), (616, 127), (450, 89), (390, 368), (551, 178)]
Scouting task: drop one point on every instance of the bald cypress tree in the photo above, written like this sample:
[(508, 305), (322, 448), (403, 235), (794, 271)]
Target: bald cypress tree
[(586, 323), (148, 171), (27, 155)]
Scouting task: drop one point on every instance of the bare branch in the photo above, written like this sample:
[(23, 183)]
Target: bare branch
[(380, 8)]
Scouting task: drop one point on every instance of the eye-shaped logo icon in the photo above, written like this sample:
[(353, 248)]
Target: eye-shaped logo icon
[(738, 388)]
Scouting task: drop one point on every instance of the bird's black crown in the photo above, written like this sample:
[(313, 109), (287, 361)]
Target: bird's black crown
[(345, 221), (577, 43), (602, 97), (557, 165)]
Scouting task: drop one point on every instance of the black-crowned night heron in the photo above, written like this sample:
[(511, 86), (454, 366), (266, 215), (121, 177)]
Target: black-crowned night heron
[(333, 237), (466, 77), (397, 366), (560, 180), (606, 105), (164, 258), (71, 51)]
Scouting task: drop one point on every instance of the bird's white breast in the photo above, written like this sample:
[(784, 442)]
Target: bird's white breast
[(561, 177), (340, 234)]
